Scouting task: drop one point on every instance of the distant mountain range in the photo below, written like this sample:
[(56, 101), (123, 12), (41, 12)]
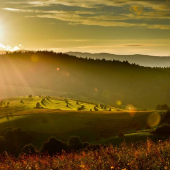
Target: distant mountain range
[(142, 60)]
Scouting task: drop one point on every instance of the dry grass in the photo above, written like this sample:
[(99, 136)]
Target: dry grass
[(149, 155)]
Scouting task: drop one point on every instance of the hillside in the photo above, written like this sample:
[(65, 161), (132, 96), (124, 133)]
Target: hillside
[(108, 82), (60, 117), (142, 60)]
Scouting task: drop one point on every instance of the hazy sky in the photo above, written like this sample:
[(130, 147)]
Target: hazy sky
[(114, 26)]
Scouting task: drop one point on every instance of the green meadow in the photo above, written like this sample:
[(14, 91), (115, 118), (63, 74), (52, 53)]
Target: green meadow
[(60, 117)]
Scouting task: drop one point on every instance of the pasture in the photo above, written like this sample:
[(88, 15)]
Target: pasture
[(62, 119)]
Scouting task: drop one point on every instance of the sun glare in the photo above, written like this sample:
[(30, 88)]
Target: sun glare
[(1, 32)]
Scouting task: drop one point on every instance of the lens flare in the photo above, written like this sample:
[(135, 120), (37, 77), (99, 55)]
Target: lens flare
[(34, 58), (58, 69), (118, 102), (67, 74), (131, 109), (95, 89), (154, 120)]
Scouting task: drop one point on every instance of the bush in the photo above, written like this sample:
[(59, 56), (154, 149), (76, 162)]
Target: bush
[(53, 146), (29, 149), (75, 143), (22, 101), (2, 144), (85, 144), (81, 108), (162, 130), (94, 147), (38, 106), (121, 134)]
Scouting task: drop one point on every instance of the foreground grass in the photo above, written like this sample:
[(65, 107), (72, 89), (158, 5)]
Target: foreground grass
[(149, 155)]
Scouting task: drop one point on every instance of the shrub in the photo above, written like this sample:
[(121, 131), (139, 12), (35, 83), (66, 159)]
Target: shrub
[(81, 108), (162, 130), (121, 134), (22, 101), (53, 146), (85, 144), (2, 144), (29, 149), (38, 105), (75, 143), (93, 147)]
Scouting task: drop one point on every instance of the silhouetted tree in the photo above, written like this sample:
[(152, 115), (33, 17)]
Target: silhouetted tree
[(29, 149), (2, 144), (22, 101), (53, 146), (158, 107), (85, 144), (38, 105), (66, 101), (75, 143), (121, 134)]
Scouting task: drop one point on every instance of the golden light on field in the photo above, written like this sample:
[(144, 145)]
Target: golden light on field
[(34, 58), (154, 119), (118, 102)]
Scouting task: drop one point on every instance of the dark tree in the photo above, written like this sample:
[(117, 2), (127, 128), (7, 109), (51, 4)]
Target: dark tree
[(85, 144), (53, 146), (2, 144), (158, 107), (101, 105), (66, 101), (29, 149), (121, 134), (22, 101), (75, 143), (95, 109), (38, 105)]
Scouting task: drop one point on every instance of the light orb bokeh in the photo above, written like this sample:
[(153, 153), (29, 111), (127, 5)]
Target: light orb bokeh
[(154, 119)]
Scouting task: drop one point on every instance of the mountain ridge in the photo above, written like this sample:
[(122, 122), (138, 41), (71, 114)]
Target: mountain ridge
[(139, 59)]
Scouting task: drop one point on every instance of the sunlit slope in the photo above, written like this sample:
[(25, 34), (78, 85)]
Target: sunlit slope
[(16, 104), (51, 121), (105, 81)]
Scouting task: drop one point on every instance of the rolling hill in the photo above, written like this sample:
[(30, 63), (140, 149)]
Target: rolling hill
[(110, 82), (55, 118), (142, 60)]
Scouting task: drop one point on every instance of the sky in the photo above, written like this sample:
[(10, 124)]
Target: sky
[(111, 26)]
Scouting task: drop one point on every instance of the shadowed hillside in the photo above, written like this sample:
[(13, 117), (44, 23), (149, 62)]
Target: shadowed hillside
[(105, 81)]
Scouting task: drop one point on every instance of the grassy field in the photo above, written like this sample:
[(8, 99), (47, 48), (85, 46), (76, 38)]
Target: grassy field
[(57, 118)]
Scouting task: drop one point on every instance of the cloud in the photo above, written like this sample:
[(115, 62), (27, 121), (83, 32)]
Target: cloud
[(108, 13), (10, 48)]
